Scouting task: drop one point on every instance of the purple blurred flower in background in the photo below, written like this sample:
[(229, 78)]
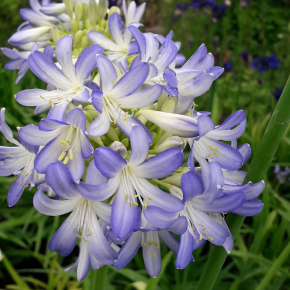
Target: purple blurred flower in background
[(281, 176), (228, 66), (263, 63), (277, 94), (245, 56)]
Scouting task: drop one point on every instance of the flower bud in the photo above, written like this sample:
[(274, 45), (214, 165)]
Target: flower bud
[(119, 148), (174, 179), (92, 12), (78, 37), (112, 134), (102, 9), (55, 34), (84, 42), (161, 100), (79, 12), (85, 13), (171, 142), (169, 105), (74, 27), (125, 142), (69, 7)]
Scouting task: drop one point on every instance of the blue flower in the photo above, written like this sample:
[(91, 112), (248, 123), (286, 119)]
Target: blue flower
[(67, 84), (65, 142), (262, 64), (130, 177), (148, 237), (245, 56), (281, 176), (110, 101), (82, 223), (19, 161), (273, 61)]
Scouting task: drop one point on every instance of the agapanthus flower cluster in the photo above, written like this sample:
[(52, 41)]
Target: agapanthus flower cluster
[(121, 111)]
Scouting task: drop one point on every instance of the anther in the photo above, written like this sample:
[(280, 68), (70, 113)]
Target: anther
[(79, 236), (49, 101), (52, 105), (70, 153), (88, 234), (210, 238), (61, 156), (59, 98), (41, 96), (135, 203), (130, 203), (126, 119), (153, 255), (200, 237), (67, 100), (66, 159), (21, 181), (115, 122), (26, 186), (145, 207), (127, 196), (203, 229), (86, 241), (62, 142), (149, 198), (142, 243), (151, 243), (135, 195), (25, 174), (63, 147)]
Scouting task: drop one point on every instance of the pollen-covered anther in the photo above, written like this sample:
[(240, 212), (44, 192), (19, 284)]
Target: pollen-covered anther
[(79, 236), (127, 196), (200, 237), (149, 198), (135, 203), (70, 153), (131, 203), (66, 159), (115, 122), (25, 174), (59, 98), (145, 207), (135, 195), (52, 105), (142, 243), (62, 155), (86, 242), (41, 96), (20, 181), (210, 238), (153, 255), (126, 119), (203, 229), (26, 186)]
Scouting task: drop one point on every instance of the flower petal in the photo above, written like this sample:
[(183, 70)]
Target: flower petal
[(76, 118), (108, 162), (100, 126), (184, 255), (249, 208), (205, 124), (160, 166), (192, 186), (139, 144)]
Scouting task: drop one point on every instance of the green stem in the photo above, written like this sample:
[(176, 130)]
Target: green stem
[(99, 278), (258, 168)]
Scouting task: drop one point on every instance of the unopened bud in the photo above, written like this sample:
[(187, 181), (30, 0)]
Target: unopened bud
[(119, 148), (112, 134), (55, 34), (102, 9), (92, 12), (162, 99), (169, 105), (189, 113), (69, 7), (78, 37), (74, 27), (84, 42), (125, 142), (79, 12), (85, 13), (171, 142)]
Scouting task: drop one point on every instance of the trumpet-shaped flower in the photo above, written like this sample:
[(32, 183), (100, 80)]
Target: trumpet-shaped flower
[(205, 219), (19, 161), (69, 82), (110, 101), (122, 45), (193, 79), (65, 142), (83, 223), (148, 237), (131, 179), (207, 145)]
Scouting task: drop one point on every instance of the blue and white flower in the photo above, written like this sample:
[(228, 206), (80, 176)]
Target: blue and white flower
[(65, 142), (68, 83), (131, 178), (83, 223), (18, 161), (116, 96), (122, 45)]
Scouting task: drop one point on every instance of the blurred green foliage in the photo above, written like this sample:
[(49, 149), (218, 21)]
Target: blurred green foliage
[(262, 28)]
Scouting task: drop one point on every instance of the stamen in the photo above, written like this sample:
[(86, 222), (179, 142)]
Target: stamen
[(203, 229), (142, 243), (41, 96), (153, 255), (135, 203), (200, 237), (52, 105), (149, 198), (210, 238), (25, 174), (66, 159), (130, 203), (126, 119), (63, 147), (62, 141), (70, 153), (127, 196), (79, 236), (135, 195), (61, 156), (20, 181), (49, 101), (115, 122), (145, 206), (26, 186), (59, 98), (86, 241), (88, 234)]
